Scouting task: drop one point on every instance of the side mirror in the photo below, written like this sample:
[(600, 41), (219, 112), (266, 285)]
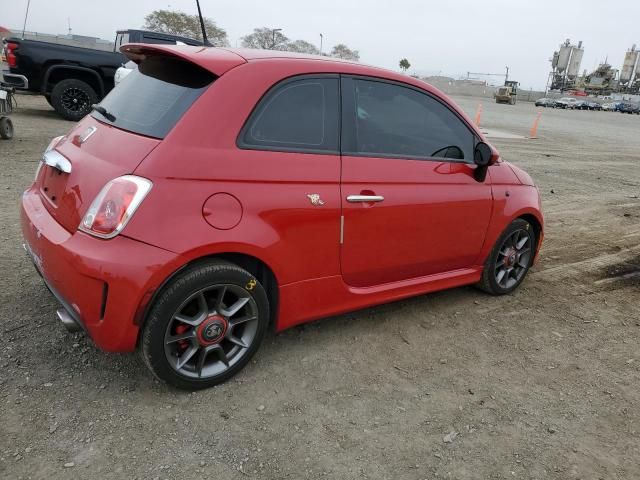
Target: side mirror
[(482, 158), (482, 154)]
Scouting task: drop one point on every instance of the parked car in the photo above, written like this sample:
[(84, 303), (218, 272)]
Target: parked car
[(581, 105), (630, 108), (567, 102), (72, 78), (215, 193), (545, 102), (611, 106), (594, 106), (123, 71)]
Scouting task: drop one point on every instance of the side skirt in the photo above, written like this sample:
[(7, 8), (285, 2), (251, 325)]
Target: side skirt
[(308, 300)]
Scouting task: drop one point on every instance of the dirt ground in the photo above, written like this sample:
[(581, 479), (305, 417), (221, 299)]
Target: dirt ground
[(541, 384)]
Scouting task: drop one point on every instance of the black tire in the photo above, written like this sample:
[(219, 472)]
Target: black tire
[(6, 128), (73, 98), (212, 276), (498, 261)]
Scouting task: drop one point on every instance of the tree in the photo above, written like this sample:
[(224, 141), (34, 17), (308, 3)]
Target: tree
[(265, 38), (180, 23), (344, 52), (301, 46), (404, 65)]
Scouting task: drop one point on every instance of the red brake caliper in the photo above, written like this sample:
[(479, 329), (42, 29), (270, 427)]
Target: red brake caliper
[(182, 344)]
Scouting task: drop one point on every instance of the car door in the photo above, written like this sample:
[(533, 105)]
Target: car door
[(410, 204)]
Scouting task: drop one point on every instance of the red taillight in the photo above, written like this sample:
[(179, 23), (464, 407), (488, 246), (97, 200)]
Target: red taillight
[(11, 56), (114, 206)]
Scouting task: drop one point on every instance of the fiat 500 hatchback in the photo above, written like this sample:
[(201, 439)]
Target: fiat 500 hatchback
[(216, 192)]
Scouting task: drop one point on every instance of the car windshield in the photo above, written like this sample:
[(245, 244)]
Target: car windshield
[(151, 99)]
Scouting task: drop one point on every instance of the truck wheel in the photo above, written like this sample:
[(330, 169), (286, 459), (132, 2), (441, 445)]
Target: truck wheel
[(73, 98), (6, 128)]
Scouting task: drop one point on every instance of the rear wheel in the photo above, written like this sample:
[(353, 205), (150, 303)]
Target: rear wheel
[(72, 98), (6, 128), (205, 326), (510, 260)]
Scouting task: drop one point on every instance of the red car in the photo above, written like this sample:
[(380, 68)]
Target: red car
[(217, 192)]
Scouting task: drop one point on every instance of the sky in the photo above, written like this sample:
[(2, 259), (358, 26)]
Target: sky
[(450, 37)]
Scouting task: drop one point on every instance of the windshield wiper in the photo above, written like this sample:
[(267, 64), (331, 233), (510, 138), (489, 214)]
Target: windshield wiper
[(103, 111)]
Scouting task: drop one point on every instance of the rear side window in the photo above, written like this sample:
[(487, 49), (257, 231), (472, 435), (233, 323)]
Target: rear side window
[(396, 121), (295, 115), (152, 98)]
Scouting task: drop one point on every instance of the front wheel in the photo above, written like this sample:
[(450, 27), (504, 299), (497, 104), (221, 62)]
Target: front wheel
[(205, 326), (510, 260)]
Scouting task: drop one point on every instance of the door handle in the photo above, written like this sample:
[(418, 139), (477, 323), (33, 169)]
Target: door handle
[(364, 198)]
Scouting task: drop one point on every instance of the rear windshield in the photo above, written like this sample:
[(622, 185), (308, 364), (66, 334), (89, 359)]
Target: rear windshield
[(153, 97)]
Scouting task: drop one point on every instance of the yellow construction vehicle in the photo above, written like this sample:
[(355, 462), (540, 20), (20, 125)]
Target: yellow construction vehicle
[(508, 93)]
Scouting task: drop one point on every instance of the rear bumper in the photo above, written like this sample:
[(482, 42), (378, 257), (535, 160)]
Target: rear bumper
[(102, 284), (14, 80)]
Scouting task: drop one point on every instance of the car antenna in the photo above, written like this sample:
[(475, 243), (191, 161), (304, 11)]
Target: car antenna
[(205, 40)]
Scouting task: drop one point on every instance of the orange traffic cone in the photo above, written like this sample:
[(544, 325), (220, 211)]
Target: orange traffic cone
[(534, 129), (478, 114)]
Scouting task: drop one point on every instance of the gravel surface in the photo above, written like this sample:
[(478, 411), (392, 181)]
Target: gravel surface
[(541, 384)]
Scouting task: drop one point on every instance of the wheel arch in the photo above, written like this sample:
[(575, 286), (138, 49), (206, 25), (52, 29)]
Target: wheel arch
[(57, 73), (536, 223), (520, 206), (254, 265)]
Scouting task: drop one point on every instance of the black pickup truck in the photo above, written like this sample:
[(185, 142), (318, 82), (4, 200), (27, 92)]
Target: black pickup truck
[(72, 78)]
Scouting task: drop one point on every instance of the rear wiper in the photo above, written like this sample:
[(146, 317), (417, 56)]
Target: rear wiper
[(103, 111)]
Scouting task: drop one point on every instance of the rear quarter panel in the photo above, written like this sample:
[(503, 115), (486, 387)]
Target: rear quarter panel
[(199, 158)]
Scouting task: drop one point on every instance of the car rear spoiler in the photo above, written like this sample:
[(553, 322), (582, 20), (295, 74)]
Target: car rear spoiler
[(216, 60)]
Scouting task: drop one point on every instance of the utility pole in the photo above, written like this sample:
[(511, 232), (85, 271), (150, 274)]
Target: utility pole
[(24, 26), (506, 77), (273, 35), (321, 38)]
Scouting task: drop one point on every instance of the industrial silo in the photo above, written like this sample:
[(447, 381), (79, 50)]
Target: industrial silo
[(564, 55), (629, 67), (576, 60)]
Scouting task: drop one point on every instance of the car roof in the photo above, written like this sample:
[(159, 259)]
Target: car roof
[(257, 54), (220, 60)]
